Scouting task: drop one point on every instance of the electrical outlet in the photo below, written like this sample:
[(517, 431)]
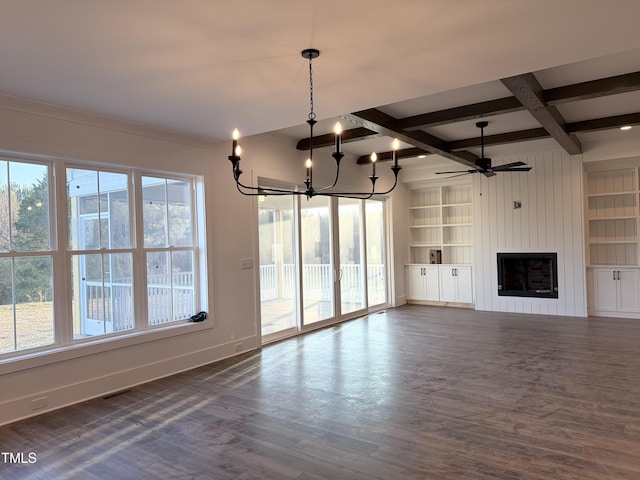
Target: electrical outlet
[(246, 263), (38, 403)]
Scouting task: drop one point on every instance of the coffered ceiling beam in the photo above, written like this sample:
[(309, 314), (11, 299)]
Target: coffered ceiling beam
[(500, 138), (327, 140), (596, 124), (569, 93), (528, 91), (459, 114), (603, 87), (604, 123), (387, 156), (554, 96), (380, 122)]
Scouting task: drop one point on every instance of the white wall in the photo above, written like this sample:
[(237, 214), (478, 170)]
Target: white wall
[(550, 220), (34, 128), (231, 231)]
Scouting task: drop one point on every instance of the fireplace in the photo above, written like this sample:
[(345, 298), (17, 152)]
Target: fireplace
[(528, 275)]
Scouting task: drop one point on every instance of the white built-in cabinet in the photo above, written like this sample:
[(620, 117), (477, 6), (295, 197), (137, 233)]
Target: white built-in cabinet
[(440, 220), (616, 290), (456, 284), (439, 283), (612, 222), (423, 282)]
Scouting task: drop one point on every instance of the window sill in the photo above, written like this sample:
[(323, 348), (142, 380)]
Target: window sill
[(86, 348)]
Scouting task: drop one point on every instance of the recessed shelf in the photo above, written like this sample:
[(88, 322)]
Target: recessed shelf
[(613, 242), (441, 219), (612, 194), (606, 219), (612, 215), (424, 207), (465, 204)]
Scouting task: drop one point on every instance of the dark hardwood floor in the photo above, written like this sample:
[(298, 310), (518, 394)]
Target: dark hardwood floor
[(411, 393)]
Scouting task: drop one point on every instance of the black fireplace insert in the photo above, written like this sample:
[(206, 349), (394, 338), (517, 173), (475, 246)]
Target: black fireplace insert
[(528, 275)]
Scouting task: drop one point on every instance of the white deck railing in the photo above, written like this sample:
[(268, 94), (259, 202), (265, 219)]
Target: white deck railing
[(169, 298), (318, 282), (172, 298)]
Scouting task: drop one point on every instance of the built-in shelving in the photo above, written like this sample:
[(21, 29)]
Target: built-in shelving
[(612, 216), (440, 218)]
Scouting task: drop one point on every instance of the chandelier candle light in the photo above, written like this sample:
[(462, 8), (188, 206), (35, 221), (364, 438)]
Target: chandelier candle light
[(310, 190)]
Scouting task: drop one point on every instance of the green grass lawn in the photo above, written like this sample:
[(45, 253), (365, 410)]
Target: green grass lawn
[(29, 326)]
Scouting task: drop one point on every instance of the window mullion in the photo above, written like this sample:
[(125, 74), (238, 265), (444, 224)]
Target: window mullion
[(62, 292), (139, 263)]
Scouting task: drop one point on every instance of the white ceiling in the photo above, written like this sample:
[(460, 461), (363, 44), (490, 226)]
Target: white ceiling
[(203, 67)]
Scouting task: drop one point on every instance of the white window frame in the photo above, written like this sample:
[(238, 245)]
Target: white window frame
[(65, 346)]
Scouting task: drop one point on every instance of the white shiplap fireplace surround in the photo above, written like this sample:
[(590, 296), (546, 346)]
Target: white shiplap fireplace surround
[(548, 218)]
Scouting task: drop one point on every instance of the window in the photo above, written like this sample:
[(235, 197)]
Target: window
[(26, 266), (168, 241), (99, 226), (119, 276)]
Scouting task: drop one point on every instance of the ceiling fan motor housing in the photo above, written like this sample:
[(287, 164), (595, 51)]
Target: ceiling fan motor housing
[(483, 163)]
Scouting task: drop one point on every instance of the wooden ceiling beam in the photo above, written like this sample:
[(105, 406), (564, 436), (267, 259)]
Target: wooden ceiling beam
[(501, 138), (387, 156), (327, 140), (596, 124), (603, 87), (604, 123), (459, 114), (528, 91), (374, 119), (554, 96), (570, 93)]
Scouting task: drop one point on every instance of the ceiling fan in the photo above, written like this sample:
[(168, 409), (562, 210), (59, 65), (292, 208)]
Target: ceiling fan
[(483, 164)]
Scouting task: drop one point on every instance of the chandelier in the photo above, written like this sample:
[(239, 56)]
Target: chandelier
[(309, 189)]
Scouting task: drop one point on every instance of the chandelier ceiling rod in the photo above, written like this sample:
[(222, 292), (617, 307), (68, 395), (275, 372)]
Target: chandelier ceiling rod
[(310, 190)]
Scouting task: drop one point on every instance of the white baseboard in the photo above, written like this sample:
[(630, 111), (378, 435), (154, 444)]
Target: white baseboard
[(65, 395)]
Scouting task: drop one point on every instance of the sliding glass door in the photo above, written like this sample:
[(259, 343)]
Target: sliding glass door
[(351, 247), (278, 277), (318, 288), (376, 253), (321, 260)]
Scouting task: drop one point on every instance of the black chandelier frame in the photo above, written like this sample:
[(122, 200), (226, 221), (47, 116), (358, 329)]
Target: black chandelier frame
[(310, 191)]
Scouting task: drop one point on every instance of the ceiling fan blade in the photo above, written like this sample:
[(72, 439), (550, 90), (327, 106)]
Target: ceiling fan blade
[(513, 169), (462, 172), (509, 165)]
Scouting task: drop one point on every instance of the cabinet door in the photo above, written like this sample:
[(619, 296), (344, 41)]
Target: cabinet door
[(415, 282), (432, 283), (605, 294), (448, 285), (628, 282), (465, 284)]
